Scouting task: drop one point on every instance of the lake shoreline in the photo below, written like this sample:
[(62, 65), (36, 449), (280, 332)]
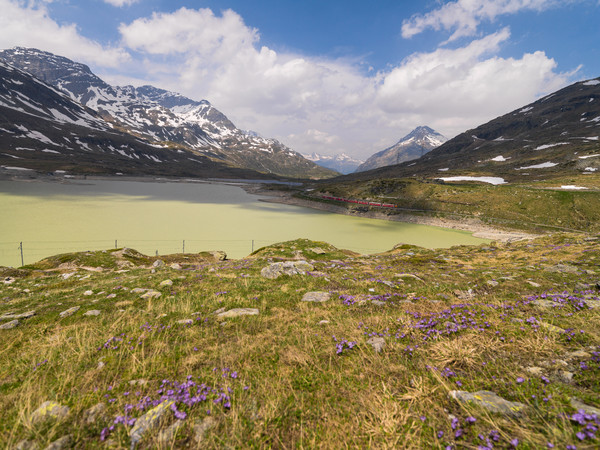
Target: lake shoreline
[(474, 226)]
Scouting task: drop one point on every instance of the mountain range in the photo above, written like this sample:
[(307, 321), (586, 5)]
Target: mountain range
[(555, 136), (341, 163), (412, 146), (153, 117)]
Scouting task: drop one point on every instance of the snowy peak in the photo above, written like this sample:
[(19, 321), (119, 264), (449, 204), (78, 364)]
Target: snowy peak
[(341, 163), (412, 146), (162, 116)]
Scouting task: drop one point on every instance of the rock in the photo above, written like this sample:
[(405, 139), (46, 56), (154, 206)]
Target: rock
[(566, 376), (140, 382), (323, 322), (92, 312), (139, 290), (317, 250), (151, 294), (562, 268), (62, 443), (378, 343), (158, 264), (10, 316), (9, 280), (377, 303), (88, 293), (175, 266), (202, 426), (317, 297), (26, 445), (167, 436), (541, 303), (464, 295), (275, 270), (70, 311), (9, 325), (236, 312), (551, 328), (536, 371), (101, 364), (148, 421), (554, 364), (186, 321), (492, 283), (166, 283), (533, 283), (49, 410), (66, 276), (579, 354), (592, 304), (111, 295), (490, 401), (219, 255), (578, 405)]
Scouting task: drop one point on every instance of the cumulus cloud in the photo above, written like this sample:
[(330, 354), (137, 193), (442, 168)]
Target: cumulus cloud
[(329, 106), (121, 3), (28, 24), (464, 16)]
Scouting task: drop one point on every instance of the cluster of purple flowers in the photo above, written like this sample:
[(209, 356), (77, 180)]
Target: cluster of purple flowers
[(590, 422), (343, 344)]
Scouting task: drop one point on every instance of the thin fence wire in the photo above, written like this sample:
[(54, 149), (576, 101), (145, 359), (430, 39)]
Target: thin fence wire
[(33, 251)]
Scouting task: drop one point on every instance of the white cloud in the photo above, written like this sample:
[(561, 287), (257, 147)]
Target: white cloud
[(330, 106), (121, 3), (464, 16), (28, 24)]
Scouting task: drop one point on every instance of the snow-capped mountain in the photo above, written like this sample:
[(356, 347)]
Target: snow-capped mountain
[(412, 146), (556, 136), (341, 163), (164, 116), (44, 129)]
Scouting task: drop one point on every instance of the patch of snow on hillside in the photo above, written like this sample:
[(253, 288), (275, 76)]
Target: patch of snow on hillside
[(591, 169), (12, 156), (588, 156), (524, 110), (500, 158), (47, 150), (591, 83), (570, 187), (545, 146), (446, 169), (40, 137), (539, 166), (490, 180), (14, 168)]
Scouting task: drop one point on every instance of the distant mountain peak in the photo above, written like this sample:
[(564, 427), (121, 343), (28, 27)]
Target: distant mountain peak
[(412, 146)]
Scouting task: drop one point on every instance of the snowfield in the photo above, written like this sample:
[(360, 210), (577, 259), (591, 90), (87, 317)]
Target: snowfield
[(490, 180)]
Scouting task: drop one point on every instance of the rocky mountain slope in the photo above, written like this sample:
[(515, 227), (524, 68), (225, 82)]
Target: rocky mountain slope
[(164, 117), (412, 146), (558, 135), (341, 163), (43, 129)]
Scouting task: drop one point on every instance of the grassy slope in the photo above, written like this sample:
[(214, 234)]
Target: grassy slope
[(520, 206), (290, 387)]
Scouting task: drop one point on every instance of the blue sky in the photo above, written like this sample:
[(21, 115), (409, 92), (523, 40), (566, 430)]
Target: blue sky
[(328, 76)]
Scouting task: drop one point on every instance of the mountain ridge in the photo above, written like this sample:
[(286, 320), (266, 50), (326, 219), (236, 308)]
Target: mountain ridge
[(412, 146)]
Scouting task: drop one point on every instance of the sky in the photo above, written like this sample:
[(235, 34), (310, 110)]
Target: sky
[(327, 76)]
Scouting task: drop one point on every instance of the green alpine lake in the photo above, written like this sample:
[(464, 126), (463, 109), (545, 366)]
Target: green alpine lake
[(170, 217)]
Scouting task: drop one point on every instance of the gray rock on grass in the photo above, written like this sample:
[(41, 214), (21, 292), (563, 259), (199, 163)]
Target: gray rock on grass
[(49, 410), (377, 342), (236, 312), (275, 270), (150, 294), (148, 422), (95, 414), (167, 436), (579, 405), (11, 316), (69, 312), (92, 312), (9, 325), (490, 401), (317, 297), (65, 442)]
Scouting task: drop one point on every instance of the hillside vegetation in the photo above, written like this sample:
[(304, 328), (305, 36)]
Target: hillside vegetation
[(305, 345), (540, 207)]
